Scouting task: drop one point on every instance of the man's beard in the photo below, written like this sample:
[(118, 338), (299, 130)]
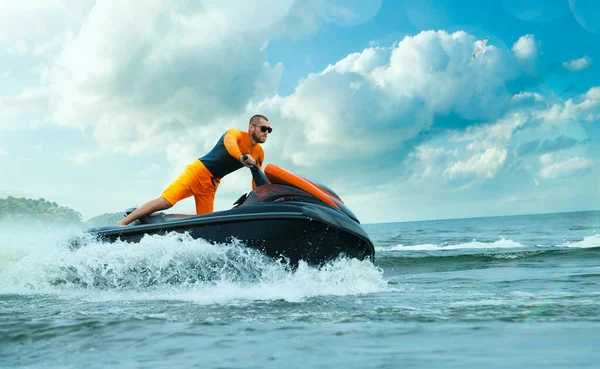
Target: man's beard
[(256, 138)]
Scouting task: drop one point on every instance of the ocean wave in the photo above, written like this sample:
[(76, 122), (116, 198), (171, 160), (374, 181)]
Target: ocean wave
[(450, 261), (587, 242), (502, 243), (514, 255), (176, 266)]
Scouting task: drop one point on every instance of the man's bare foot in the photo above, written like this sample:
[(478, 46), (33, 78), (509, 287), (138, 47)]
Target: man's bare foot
[(148, 208)]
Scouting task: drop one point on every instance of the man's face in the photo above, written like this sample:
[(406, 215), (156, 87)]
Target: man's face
[(259, 134)]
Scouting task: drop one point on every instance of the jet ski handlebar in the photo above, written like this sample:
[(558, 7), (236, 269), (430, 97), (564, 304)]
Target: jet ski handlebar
[(259, 177)]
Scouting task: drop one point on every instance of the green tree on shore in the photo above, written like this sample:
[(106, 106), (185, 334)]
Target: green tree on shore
[(103, 220), (20, 209)]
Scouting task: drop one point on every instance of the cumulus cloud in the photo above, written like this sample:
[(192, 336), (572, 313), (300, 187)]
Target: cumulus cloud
[(485, 164), (527, 52), (526, 96), (482, 152), (526, 47), (582, 108), (143, 77), (374, 101), (475, 155), (553, 169), (427, 161), (163, 77), (146, 77), (491, 134), (578, 64), (173, 78), (370, 102)]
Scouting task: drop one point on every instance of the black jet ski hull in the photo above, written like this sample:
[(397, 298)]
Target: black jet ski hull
[(288, 231)]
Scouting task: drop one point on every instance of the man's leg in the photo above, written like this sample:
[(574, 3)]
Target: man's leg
[(148, 208), (177, 191), (205, 203), (205, 191)]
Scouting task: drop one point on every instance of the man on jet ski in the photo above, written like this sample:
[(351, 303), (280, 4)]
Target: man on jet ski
[(234, 150)]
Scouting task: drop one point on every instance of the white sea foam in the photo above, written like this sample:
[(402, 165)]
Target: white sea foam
[(587, 242), (172, 267), (502, 243), (18, 240)]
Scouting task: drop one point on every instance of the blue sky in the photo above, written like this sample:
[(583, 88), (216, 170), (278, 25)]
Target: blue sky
[(102, 104)]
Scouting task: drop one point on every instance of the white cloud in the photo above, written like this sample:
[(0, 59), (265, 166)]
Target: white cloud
[(553, 169), (478, 153), (426, 161), (2, 151), (578, 64), (167, 80), (173, 78), (525, 96), (5, 74), (147, 77), (585, 108), (527, 101), (526, 47), (527, 52), (492, 134), (481, 151), (374, 101), (485, 164)]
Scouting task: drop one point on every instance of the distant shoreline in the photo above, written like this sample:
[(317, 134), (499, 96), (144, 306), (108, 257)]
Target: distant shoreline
[(109, 218)]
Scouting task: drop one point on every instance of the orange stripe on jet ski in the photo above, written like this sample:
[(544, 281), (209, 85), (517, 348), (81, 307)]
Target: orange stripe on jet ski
[(279, 175)]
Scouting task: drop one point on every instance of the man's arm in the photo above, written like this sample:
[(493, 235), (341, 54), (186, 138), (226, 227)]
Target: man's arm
[(260, 158), (231, 143)]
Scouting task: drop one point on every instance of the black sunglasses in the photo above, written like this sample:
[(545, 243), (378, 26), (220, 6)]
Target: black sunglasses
[(264, 128)]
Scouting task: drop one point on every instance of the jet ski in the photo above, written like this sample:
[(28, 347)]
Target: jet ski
[(287, 217)]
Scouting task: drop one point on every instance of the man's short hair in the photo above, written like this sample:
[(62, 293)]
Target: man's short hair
[(257, 118)]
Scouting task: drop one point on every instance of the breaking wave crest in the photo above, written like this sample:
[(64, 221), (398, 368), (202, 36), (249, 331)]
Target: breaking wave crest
[(587, 242), (502, 243), (174, 266)]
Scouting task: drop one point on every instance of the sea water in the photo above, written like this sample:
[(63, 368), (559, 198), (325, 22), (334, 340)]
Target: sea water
[(502, 292)]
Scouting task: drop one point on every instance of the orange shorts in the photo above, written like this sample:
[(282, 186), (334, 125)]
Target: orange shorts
[(195, 181)]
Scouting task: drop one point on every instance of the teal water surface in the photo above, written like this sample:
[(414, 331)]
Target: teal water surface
[(503, 292)]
